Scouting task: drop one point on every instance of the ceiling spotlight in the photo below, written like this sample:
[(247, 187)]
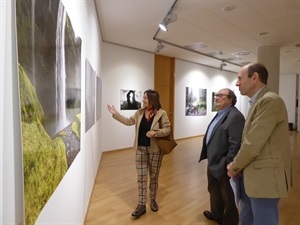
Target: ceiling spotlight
[(171, 17), (222, 65), (159, 47)]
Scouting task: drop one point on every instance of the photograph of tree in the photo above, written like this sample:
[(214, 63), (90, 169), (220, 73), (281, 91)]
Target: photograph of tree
[(213, 107), (130, 99), (195, 104), (49, 57)]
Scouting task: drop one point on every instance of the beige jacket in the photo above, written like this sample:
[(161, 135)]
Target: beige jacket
[(265, 155), (136, 120)]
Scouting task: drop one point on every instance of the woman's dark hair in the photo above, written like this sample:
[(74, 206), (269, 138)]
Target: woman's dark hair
[(260, 69), (153, 98), (231, 95)]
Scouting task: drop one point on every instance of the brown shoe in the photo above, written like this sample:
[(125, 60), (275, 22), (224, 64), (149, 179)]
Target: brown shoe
[(140, 210), (153, 205)]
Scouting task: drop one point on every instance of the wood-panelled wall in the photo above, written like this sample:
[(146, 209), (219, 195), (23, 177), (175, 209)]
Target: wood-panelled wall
[(164, 69)]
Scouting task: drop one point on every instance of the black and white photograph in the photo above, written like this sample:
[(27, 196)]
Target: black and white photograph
[(90, 95), (98, 98), (130, 99)]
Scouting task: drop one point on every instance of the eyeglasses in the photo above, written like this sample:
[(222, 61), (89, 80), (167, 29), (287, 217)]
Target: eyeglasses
[(220, 95)]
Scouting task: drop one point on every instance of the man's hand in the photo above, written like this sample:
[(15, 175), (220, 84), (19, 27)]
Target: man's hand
[(229, 173)]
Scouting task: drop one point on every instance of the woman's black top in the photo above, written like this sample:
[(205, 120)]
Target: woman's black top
[(145, 126)]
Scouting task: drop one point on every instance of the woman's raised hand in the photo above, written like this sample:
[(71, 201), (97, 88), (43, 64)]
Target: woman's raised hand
[(112, 109)]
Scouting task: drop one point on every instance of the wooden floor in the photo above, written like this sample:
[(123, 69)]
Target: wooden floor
[(182, 193)]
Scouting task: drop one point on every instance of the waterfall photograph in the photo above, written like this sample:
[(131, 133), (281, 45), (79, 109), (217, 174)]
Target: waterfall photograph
[(49, 62)]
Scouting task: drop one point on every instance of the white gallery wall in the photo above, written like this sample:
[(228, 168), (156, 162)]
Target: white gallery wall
[(133, 69), (197, 76), (125, 68), (122, 68), (11, 174), (287, 90)]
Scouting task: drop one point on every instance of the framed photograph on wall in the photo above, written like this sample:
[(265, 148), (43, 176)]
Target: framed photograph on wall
[(50, 95), (213, 107), (130, 99), (195, 104), (90, 99), (98, 97)]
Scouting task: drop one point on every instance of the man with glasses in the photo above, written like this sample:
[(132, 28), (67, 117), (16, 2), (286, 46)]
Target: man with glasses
[(221, 143)]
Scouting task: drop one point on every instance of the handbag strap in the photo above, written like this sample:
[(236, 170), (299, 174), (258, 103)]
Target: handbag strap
[(160, 124)]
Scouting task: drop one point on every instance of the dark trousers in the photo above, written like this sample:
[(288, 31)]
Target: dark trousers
[(222, 200)]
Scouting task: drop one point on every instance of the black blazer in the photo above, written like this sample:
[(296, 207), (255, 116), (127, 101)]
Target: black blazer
[(224, 142)]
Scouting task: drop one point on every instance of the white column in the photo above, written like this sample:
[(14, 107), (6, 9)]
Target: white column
[(269, 56)]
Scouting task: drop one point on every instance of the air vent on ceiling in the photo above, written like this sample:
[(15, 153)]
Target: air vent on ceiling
[(196, 46), (218, 53), (239, 54)]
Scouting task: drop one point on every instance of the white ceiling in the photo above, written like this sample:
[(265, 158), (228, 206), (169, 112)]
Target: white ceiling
[(134, 23)]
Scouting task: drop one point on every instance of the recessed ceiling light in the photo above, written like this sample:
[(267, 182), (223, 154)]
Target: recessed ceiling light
[(263, 33), (229, 8)]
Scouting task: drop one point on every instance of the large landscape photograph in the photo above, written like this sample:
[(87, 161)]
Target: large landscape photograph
[(49, 57)]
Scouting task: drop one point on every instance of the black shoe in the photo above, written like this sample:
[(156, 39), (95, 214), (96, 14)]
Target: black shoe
[(140, 210), (154, 206), (209, 215)]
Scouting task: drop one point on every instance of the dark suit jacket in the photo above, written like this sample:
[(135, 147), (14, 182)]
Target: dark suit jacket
[(224, 143)]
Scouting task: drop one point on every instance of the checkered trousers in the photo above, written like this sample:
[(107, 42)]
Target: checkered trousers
[(145, 162)]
